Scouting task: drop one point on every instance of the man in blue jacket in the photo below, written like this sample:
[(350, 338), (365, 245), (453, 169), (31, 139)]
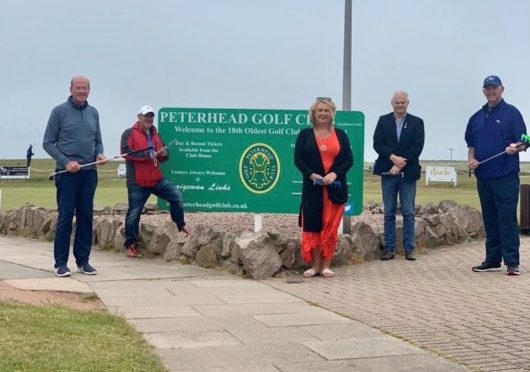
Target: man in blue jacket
[(398, 140), (73, 139), (29, 155), (497, 127)]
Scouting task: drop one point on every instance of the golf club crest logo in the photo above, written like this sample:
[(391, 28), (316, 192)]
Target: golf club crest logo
[(259, 168)]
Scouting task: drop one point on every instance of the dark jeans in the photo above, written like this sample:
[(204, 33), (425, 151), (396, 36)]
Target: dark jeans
[(498, 200), (75, 194), (138, 196), (392, 186)]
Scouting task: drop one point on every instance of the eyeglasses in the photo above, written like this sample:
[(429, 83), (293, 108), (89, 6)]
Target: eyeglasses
[(328, 99)]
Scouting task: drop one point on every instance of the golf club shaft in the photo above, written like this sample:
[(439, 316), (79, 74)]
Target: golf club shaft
[(485, 160), (388, 174), (496, 156), (114, 157), (93, 163), (492, 157), (99, 162)]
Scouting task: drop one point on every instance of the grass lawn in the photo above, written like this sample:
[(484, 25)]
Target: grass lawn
[(53, 338)]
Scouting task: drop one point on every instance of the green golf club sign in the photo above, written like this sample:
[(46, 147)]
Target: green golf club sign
[(241, 160)]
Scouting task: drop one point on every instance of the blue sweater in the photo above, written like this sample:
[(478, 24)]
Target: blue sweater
[(73, 133), (490, 131)]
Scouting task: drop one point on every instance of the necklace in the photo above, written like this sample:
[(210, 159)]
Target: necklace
[(321, 140), (321, 144)]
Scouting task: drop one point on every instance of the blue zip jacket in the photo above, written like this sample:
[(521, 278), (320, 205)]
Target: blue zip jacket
[(490, 131), (73, 133)]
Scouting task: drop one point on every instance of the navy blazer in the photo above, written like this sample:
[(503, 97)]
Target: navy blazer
[(409, 146), (307, 159)]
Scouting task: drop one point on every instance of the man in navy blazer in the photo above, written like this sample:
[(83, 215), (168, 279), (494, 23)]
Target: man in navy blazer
[(398, 140)]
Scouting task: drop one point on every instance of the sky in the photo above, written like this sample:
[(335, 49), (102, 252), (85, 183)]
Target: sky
[(260, 54)]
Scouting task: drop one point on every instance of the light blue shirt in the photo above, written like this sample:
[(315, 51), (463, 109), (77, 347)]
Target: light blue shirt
[(399, 126)]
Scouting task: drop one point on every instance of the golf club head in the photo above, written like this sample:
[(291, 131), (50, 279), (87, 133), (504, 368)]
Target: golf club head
[(51, 177)]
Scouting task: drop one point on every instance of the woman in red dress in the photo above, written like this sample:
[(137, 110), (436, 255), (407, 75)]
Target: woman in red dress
[(323, 155)]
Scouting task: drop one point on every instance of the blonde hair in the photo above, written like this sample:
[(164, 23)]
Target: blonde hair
[(328, 102)]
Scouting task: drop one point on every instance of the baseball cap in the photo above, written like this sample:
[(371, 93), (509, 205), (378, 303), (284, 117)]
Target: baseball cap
[(144, 110), (492, 80)]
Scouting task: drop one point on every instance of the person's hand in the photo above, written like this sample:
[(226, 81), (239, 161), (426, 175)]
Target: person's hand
[(473, 163), (398, 161), (315, 176), (101, 159), (394, 170), (512, 148), (329, 178), (72, 166), (162, 151)]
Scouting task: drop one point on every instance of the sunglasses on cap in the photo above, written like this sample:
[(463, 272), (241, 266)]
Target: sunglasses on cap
[(327, 99)]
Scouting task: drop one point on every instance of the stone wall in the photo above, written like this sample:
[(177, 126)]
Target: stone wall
[(260, 255)]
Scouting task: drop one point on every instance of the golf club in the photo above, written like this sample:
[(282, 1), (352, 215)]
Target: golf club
[(524, 143), (52, 176), (388, 174)]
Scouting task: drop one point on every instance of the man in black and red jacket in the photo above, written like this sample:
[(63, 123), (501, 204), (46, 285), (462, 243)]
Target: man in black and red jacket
[(144, 176)]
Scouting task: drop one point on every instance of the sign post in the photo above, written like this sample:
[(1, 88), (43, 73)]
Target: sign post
[(440, 174), (13, 173)]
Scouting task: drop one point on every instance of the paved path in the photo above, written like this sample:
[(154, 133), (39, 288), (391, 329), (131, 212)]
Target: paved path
[(207, 320), (438, 303)]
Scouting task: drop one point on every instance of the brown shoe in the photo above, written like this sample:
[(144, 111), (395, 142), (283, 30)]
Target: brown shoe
[(132, 251), (387, 256)]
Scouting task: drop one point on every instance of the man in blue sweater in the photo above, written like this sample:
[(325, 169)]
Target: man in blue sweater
[(73, 139), (495, 128)]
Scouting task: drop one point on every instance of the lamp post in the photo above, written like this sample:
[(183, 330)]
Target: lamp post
[(346, 81), (346, 71)]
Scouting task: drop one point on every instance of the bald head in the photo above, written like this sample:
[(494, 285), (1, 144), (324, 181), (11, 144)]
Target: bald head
[(80, 89), (79, 78), (400, 103)]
